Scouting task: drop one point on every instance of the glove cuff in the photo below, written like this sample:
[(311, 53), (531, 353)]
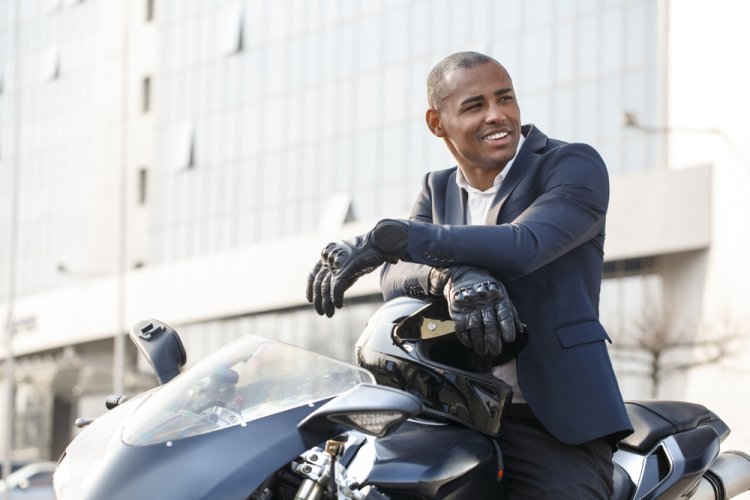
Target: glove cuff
[(390, 237), (437, 280)]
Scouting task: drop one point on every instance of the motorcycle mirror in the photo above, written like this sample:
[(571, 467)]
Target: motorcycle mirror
[(373, 409), (161, 346)]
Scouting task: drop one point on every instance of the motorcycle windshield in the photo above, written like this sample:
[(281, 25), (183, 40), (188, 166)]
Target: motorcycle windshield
[(250, 378)]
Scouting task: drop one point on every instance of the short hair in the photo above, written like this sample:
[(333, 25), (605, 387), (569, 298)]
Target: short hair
[(437, 88)]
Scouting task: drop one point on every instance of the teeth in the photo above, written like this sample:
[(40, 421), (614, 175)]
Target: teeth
[(495, 136)]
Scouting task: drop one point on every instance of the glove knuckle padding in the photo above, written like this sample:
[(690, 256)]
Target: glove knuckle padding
[(494, 292), (485, 317), (327, 250)]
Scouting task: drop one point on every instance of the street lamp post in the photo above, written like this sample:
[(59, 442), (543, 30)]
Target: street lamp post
[(118, 373), (12, 255), (630, 120)]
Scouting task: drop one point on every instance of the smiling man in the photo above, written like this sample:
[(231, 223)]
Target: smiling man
[(476, 114), (524, 211)]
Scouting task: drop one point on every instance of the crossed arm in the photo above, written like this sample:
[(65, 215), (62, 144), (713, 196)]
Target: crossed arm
[(569, 211)]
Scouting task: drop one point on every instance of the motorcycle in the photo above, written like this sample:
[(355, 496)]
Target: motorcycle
[(262, 420)]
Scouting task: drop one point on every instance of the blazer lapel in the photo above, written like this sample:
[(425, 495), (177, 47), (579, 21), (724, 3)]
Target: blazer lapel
[(455, 202), (534, 141)]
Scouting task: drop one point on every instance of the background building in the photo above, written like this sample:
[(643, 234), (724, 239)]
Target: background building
[(187, 160)]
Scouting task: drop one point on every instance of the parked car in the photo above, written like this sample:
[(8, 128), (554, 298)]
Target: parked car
[(31, 482), (14, 465)]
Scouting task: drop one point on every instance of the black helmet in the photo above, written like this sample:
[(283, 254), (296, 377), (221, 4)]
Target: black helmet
[(406, 344)]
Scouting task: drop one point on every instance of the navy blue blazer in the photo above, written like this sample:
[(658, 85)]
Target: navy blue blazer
[(547, 248)]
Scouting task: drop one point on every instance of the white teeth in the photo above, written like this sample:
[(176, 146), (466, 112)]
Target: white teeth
[(495, 136)]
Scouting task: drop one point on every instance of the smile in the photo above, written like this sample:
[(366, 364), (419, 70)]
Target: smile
[(495, 136)]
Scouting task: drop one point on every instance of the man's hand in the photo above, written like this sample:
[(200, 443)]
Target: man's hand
[(485, 317), (343, 262)]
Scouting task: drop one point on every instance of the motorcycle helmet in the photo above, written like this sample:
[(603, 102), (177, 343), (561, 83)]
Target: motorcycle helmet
[(410, 344)]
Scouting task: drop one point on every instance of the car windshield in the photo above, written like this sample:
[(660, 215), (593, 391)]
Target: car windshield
[(248, 379)]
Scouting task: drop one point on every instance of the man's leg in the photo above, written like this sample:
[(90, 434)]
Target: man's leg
[(539, 466)]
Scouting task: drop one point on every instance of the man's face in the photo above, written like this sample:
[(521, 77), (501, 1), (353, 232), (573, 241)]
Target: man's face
[(479, 119)]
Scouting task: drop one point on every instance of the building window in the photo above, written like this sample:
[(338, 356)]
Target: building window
[(629, 267), (231, 30), (631, 290), (149, 10), (182, 147), (337, 210), (50, 65), (142, 186), (146, 94)]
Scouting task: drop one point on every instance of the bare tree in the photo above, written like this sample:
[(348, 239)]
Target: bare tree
[(656, 345)]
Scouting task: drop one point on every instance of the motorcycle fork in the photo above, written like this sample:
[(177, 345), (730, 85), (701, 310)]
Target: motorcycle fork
[(318, 468)]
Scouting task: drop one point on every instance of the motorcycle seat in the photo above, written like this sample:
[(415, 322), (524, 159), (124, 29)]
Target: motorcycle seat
[(655, 420)]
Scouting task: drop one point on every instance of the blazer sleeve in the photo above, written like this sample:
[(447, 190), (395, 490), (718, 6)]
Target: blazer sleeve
[(569, 212), (408, 278)]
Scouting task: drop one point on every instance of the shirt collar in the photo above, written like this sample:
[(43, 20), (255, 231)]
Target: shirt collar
[(463, 183)]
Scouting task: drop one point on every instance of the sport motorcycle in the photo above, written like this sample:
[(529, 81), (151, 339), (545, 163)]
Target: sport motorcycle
[(262, 420)]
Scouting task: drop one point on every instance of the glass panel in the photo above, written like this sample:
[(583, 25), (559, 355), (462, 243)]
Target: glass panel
[(637, 35), (588, 113), (538, 73), (396, 34), (612, 41), (246, 380), (588, 47), (369, 43), (564, 53)]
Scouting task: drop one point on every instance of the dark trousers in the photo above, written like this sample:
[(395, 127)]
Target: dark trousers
[(538, 466)]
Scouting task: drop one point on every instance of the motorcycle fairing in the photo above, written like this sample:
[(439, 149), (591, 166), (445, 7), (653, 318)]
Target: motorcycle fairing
[(672, 446), (227, 464), (425, 460)]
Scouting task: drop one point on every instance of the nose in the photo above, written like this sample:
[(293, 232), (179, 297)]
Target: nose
[(495, 113)]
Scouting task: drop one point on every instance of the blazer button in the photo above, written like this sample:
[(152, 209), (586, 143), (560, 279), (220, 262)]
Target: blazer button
[(426, 255), (450, 259)]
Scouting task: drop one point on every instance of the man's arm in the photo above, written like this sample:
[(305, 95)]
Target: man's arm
[(570, 212), (407, 278)]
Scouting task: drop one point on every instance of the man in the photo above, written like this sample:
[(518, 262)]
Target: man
[(528, 211)]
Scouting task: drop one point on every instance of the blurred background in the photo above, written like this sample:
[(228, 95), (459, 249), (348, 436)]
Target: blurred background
[(188, 159)]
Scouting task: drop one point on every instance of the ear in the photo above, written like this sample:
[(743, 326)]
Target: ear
[(433, 122)]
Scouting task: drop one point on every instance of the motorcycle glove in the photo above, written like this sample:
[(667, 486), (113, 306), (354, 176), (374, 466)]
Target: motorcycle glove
[(479, 305), (343, 262)]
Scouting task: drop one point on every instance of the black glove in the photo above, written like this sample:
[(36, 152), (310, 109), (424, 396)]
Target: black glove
[(479, 305), (343, 262)]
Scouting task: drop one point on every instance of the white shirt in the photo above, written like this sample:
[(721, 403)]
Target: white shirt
[(477, 205)]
